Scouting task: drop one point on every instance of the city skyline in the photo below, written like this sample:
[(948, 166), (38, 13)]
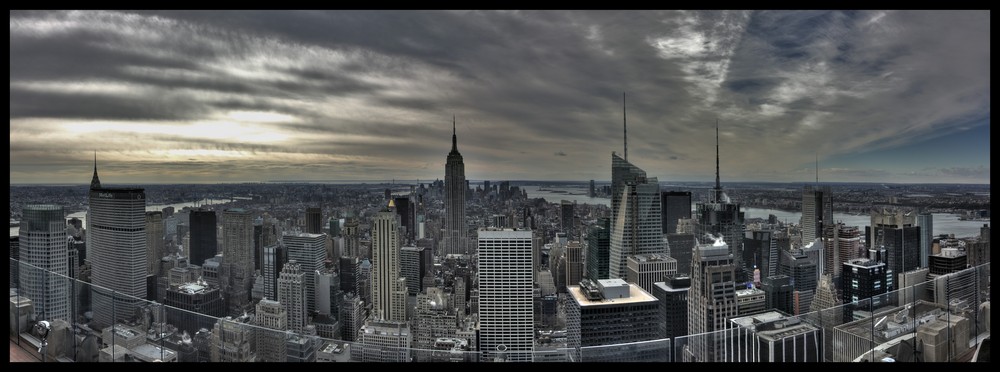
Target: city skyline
[(238, 96)]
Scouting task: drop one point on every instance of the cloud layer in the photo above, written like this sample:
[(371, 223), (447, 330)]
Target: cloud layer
[(224, 96)]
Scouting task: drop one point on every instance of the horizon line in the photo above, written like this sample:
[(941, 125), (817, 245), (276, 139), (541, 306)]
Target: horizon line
[(397, 181)]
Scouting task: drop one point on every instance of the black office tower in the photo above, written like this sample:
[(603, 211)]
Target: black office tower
[(407, 217), (902, 246), (676, 205), (204, 241), (314, 218)]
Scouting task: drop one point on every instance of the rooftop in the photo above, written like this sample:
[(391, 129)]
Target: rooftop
[(636, 295)]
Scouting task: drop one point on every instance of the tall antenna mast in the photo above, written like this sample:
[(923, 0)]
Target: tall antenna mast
[(718, 184), (625, 126), (817, 168)]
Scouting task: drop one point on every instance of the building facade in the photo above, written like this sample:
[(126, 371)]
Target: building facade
[(309, 251), (711, 301), (388, 288), (116, 244), (45, 261), (292, 294), (676, 205), (506, 314), (455, 239), (610, 312)]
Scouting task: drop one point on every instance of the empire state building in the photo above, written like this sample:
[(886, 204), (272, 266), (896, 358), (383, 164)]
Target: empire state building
[(455, 240)]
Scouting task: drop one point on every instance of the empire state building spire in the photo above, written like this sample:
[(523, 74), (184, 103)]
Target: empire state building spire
[(454, 138), (95, 183)]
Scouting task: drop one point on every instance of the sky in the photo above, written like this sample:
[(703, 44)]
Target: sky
[(251, 96)]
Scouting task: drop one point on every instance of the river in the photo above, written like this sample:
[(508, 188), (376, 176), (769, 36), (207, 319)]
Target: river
[(944, 223), (573, 194)]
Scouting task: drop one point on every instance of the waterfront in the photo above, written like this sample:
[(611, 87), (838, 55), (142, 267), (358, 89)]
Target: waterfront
[(944, 223), (573, 194)]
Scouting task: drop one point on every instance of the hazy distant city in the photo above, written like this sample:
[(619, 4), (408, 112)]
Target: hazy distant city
[(363, 186)]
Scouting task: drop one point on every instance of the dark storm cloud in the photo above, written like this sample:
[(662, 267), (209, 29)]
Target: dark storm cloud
[(374, 91), (33, 104)]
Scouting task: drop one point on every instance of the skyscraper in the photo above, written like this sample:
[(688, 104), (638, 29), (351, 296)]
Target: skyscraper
[(609, 312), (154, 241), (566, 218), (803, 270), (388, 288), (926, 223), (676, 205), (272, 322), (193, 305), (413, 263), (896, 230), (505, 294), (760, 250), (864, 279), (778, 291), (646, 269), (711, 300), (309, 251), (237, 253), (638, 223), (351, 239), (230, 340), (455, 240), (204, 242), (598, 250), (292, 295), (622, 172), (44, 259), (721, 217), (275, 257), (841, 243), (573, 257), (314, 218), (673, 297), (817, 212), (407, 217), (681, 246), (264, 235), (116, 233)]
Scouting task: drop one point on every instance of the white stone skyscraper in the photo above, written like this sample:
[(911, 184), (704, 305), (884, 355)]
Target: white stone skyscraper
[(116, 249), (45, 261), (388, 288), (271, 322), (455, 239), (292, 295), (506, 316)]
